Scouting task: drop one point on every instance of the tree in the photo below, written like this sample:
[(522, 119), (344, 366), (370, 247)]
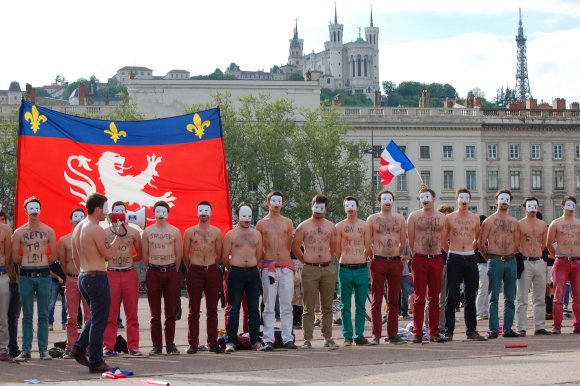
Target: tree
[(125, 111), (348, 99), (296, 76), (389, 87), (8, 131)]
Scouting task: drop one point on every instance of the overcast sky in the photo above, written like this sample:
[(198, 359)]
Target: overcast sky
[(465, 43)]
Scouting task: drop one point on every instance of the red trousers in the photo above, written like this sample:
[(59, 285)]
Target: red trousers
[(391, 273), (427, 282), (124, 285), (209, 283), (162, 285)]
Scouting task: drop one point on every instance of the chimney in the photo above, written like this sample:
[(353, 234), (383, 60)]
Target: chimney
[(424, 100), (377, 99), (575, 106), (81, 93), (477, 102), (469, 102), (559, 104), (531, 104), (30, 93)]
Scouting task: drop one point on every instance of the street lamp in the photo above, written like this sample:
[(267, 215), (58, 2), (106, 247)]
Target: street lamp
[(375, 152)]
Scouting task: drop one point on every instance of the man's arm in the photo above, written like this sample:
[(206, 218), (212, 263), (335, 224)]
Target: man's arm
[(178, 248), (411, 232), (368, 249), (445, 234), (402, 235), (259, 249), (297, 243), (545, 237), (8, 244), (145, 247), (338, 248), (290, 233), (550, 239), (333, 242), (137, 247), (218, 245), (186, 248), (483, 235), (226, 250), (476, 232), (62, 253), (52, 245), (106, 249), (517, 237), (16, 257)]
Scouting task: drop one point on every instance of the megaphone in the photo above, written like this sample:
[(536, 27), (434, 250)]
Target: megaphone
[(138, 218)]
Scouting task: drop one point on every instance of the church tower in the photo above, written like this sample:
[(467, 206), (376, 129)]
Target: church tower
[(295, 54), (335, 47), (372, 39)]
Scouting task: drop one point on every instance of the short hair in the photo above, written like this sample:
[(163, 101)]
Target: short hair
[(31, 199), (539, 215), (462, 190), (428, 190), (76, 210), (161, 203), (118, 203), (506, 191), (566, 198), (384, 192), (243, 203), (530, 199), (482, 218), (3, 215), (351, 198), (95, 200), (274, 193), (204, 203), (320, 199), (445, 208)]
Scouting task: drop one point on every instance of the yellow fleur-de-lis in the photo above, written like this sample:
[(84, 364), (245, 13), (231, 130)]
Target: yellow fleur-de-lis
[(35, 119), (115, 133), (198, 126)]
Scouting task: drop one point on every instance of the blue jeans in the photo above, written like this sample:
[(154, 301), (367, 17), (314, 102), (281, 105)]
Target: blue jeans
[(13, 315), (243, 281), (406, 290), (96, 291), (29, 286), (55, 290)]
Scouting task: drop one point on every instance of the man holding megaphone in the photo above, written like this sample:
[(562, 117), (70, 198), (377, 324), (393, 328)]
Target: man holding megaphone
[(123, 278)]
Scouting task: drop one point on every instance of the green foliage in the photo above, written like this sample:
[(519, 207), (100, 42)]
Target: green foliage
[(296, 76), (8, 131), (125, 111), (358, 100), (408, 93), (216, 75), (111, 89), (504, 97)]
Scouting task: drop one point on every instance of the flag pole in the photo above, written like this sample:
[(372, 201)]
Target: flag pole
[(419, 174)]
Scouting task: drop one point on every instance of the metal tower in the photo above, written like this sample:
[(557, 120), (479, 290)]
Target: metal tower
[(522, 82)]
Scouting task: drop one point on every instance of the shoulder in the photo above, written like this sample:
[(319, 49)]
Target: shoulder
[(189, 230), (216, 230)]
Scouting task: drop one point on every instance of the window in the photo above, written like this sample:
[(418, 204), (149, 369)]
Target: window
[(470, 152), (492, 179), (492, 151), (491, 210), (448, 180), (403, 210), (403, 148), (514, 151), (536, 151), (447, 151), (577, 155), (402, 182), (558, 151), (558, 210), (377, 180), (472, 208), (424, 152), (470, 182), (516, 211), (536, 179), (578, 179), (426, 177), (515, 179), (559, 179)]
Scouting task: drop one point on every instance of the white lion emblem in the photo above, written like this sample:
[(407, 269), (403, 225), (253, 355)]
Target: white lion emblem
[(118, 186)]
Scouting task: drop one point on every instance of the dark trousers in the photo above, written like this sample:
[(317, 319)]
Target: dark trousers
[(13, 315), (207, 282), (461, 269), (162, 285), (96, 291), (243, 282)]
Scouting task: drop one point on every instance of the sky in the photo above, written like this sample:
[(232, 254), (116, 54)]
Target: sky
[(465, 43)]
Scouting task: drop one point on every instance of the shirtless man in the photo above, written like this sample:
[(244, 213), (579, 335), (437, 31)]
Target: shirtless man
[(388, 236), (202, 251), (533, 233), (278, 270), (353, 241), (318, 237), (124, 283), (34, 239), (460, 238), (5, 256), (241, 255), (501, 232), (425, 228), (72, 293), (162, 249), (92, 249), (565, 231)]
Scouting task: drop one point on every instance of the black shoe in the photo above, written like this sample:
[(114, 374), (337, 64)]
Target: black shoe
[(79, 356), (543, 331), (362, 341), (492, 335), (172, 350), (448, 336), (437, 339), (155, 351), (191, 350), (15, 353), (216, 349), (510, 334), (290, 345), (522, 333), (268, 346), (100, 368), (396, 340), (475, 336), (417, 339), (576, 330)]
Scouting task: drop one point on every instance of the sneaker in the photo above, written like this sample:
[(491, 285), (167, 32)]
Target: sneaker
[(155, 351), (437, 339), (23, 357), (405, 317), (417, 339), (50, 327), (5, 357), (306, 345), (482, 317), (290, 345), (542, 331), (522, 333), (172, 350), (317, 322), (362, 341), (15, 353), (510, 334), (135, 353), (216, 349), (448, 336), (347, 342), (45, 356), (268, 346), (492, 335), (375, 340), (385, 317), (396, 340), (79, 356), (202, 347), (556, 331), (67, 355), (191, 350), (258, 346), (108, 354), (337, 322), (475, 336), (230, 348), (329, 343)]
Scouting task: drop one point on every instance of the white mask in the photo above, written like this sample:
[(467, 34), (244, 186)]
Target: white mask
[(319, 208), (245, 213), (119, 209), (77, 216), (203, 210), (570, 205), (463, 198), (386, 198), (531, 206), (161, 212), (425, 197), (503, 198), (350, 205), (276, 201), (33, 208)]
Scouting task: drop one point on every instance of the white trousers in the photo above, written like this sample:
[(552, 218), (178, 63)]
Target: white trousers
[(283, 287), (534, 276), (482, 302)]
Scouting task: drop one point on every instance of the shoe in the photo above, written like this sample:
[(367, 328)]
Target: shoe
[(45, 356), (15, 353), (230, 348), (556, 331), (50, 327), (101, 368), (297, 327), (482, 317), (109, 354), (510, 334), (155, 351), (135, 353), (347, 342), (191, 350), (576, 330), (268, 346), (306, 345), (330, 344), (457, 309), (448, 336), (405, 317), (475, 336), (67, 355), (290, 345), (317, 322), (172, 350), (79, 356), (492, 335), (24, 357), (216, 349), (361, 341), (396, 340), (5, 357), (337, 322), (437, 339), (417, 339), (549, 317), (258, 346), (522, 333), (375, 340), (542, 331)]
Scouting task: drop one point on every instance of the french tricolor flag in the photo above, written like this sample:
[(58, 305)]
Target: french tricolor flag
[(393, 163)]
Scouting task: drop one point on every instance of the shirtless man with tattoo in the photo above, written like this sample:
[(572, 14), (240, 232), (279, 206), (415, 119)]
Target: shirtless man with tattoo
[(162, 249), (501, 232), (425, 228), (34, 239), (353, 241), (277, 270), (92, 250), (241, 254), (388, 236), (72, 293), (202, 252), (533, 234), (318, 237), (460, 238), (124, 283), (5, 257), (565, 231)]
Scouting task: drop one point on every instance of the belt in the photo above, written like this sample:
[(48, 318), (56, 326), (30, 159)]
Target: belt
[(387, 257), (354, 266), (500, 257), (203, 267), (528, 258), (75, 275), (44, 272), (570, 258), (93, 273), (244, 268), (428, 256), (120, 269), (162, 268), (325, 264), (469, 257)]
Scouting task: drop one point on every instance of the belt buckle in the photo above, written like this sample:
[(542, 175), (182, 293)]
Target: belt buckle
[(503, 258), (204, 267), (430, 256), (162, 269)]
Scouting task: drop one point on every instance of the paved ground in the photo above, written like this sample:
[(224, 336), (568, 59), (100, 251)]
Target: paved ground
[(546, 360)]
